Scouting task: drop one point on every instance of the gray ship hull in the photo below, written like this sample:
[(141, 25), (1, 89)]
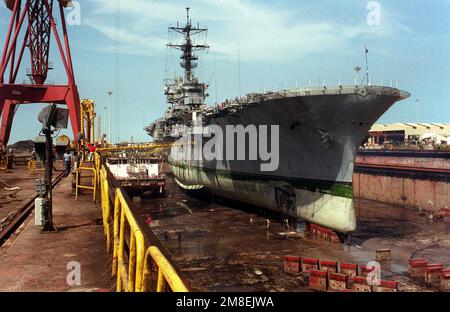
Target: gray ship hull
[(319, 133)]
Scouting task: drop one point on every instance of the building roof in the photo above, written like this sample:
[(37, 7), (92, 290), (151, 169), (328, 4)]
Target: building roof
[(414, 128)]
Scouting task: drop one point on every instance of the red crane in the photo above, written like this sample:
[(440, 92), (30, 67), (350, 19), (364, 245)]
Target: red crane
[(36, 38)]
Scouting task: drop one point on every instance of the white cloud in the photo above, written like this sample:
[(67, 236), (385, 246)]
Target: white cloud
[(264, 32), (131, 42)]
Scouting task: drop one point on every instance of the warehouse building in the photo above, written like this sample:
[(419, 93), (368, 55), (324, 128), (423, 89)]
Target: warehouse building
[(407, 133)]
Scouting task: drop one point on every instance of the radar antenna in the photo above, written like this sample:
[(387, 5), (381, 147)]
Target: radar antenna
[(188, 48)]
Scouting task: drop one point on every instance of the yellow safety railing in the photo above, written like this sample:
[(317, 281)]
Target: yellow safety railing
[(131, 279), (166, 273), (97, 166), (78, 181), (106, 207), (133, 270)]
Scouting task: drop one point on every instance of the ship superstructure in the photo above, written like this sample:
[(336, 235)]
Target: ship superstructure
[(185, 95)]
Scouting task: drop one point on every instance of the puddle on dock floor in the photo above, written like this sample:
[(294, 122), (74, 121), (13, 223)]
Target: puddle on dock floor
[(221, 245)]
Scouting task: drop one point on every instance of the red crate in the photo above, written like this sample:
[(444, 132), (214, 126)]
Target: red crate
[(445, 280), (324, 233), (433, 273), (291, 264), (309, 264), (365, 270), (417, 267), (382, 255), (318, 280), (416, 260), (328, 266), (337, 281), (387, 286), (334, 238), (349, 269), (360, 284)]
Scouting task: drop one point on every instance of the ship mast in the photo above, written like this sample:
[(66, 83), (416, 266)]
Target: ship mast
[(188, 48)]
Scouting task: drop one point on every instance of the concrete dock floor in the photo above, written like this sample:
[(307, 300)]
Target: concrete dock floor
[(32, 261)]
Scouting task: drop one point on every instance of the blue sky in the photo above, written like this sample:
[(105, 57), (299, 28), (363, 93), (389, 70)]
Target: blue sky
[(280, 43)]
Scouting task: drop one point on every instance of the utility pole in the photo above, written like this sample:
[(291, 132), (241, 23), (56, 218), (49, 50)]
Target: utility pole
[(56, 117), (47, 219)]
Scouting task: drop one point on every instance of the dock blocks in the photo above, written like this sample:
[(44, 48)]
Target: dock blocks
[(433, 273), (349, 269), (383, 255), (360, 284), (337, 281), (328, 266), (417, 267), (323, 233), (318, 280), (386, 286), (309, 264), (326, 275), (365, 270), (291, 264), (445, 280)]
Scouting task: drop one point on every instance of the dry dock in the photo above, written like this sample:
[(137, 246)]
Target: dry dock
[(221, 245), (213, 244)]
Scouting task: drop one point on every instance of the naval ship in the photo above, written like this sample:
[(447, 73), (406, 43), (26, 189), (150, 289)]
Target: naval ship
[(319, 130)]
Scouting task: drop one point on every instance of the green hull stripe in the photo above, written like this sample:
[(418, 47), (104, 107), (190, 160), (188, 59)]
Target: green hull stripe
[(341, 189)]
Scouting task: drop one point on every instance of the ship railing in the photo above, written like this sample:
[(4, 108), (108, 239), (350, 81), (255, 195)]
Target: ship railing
[(140, 263), (287, 89), (330, 82)]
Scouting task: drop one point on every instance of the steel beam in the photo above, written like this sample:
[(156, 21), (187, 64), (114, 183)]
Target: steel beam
[(37, 39)]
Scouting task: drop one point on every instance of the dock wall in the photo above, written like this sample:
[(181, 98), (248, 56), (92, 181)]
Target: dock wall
[(408, 178)]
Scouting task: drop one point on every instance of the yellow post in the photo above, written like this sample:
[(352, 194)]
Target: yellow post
[(121, 270), (140, 255), (161, 281), (132, 262), (116, 233), (147, 272), (106, 207)]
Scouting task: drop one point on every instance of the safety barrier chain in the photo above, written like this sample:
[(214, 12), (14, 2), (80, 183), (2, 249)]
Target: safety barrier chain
[(133, 270)]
